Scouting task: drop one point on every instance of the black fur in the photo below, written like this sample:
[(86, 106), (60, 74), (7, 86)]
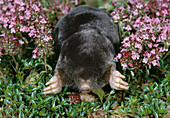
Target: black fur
[(86, 38)]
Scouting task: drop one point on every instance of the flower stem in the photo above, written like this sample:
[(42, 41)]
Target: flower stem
[(16, 63)]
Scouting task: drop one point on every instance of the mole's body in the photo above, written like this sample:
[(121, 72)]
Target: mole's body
[(87, 39)]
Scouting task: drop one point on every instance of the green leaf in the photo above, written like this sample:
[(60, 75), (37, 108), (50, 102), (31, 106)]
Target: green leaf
[(21, 107), (155, 114)]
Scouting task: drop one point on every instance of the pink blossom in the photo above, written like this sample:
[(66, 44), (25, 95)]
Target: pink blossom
[(47, 38), (23, 29), (124, 65), (128, 28), (135, 12), (43, 21), (150, 45), (12, 10), (27, 14), (132, 37), (149, 55), (4, 7), (35, 51), (153, 51), (21, 8), (165, 12), (157, 13), (13, 30), (21, 17), (146, 36), (1, 2), (155, 45), (119, 55), (135, 55), (145, 60), (34, 56), (139, 5), (157, 57), (31, 33), (76, 2), (5, 25), (139, 46), (154, 63), (153, 38), (136, 25), (19, 2), (125, 39), (35, 7), (116, 17), (21, 42), (126, 44)]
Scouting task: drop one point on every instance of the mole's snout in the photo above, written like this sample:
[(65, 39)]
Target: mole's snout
[(85, 87)]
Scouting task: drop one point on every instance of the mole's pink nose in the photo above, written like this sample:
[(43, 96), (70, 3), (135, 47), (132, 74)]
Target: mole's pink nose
[(85, 89)]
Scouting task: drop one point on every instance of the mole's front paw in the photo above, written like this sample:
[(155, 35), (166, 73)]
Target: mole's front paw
[(116, 81), (55, 86)]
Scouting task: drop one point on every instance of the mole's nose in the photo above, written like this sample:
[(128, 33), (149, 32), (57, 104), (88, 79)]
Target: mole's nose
[(85, 88)]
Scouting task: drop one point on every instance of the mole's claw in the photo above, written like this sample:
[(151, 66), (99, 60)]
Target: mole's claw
[(55, 85), (116, 81)]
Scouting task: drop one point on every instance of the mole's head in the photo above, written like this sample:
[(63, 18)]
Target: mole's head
[(88, 54), (89, 78)]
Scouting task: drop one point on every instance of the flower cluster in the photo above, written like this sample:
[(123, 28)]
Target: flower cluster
[(74, 98), (145, 31), (20, 20), (57, 8)]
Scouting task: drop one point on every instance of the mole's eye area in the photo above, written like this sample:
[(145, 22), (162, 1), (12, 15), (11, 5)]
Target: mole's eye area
[(85, 86)]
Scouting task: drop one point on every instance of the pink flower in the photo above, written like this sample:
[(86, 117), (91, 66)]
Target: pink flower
[(21, 8), (135, 12), (154, 63), (2, 35), (135, 55), (157, 13), (76, 2), (116, 17), (21, 42), (47, 38), (21, 17), (43, 21), (4, 7), (1, 2), (165, 12), (35, 7), (119, 55), (155, 45), (133, 37), (153, 38), (124, 65), (19, 2), (145, 60), (128, 28), (139, 5), (139, 46), (149, 55), (157, 57), (146, 36), (150, 45), (34, 56), (126, 44), (35, 51), (13, 30), (153, 51), (5, 25), (23, 29)]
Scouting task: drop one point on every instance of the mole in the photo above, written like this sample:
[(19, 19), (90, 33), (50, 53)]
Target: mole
[(87, 40)]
